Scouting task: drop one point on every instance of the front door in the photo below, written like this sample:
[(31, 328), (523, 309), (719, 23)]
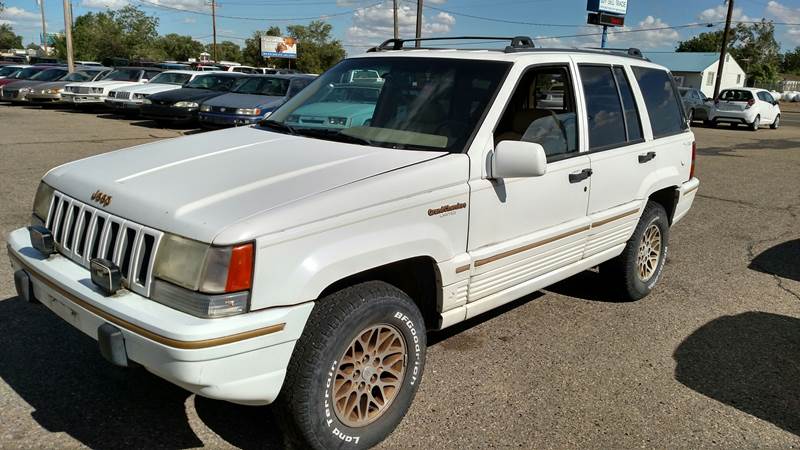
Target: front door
[(523, 228)]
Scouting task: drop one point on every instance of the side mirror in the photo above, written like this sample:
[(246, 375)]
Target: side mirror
[(513, 159)]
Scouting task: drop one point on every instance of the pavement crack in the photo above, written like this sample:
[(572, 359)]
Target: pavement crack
[(788, 209), (751, 244)]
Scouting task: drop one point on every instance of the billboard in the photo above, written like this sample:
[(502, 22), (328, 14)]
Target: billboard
[(609, 6), (278, 47)]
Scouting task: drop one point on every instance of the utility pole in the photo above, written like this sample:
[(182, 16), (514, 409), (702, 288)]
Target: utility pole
[(724, 51), (396, 32), (44, 26), (418, 34), (604, 37), (214, 27), (68, 34)]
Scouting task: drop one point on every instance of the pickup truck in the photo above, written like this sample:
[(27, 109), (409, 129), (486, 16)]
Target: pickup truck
[(303, 265)]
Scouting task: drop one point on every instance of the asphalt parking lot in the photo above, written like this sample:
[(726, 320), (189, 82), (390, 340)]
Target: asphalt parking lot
[(710, 359)]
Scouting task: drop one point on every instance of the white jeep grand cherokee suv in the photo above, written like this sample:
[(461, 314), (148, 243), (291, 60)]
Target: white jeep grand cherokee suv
[(303, 263)]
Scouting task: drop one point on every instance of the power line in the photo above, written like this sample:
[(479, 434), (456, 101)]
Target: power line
[(260, 19)]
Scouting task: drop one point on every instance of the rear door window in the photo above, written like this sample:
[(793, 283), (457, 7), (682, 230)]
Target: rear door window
[(604, 109), (662, 100), (633, 126)]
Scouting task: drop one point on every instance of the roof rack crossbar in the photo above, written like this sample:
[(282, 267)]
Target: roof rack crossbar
[(632, 51), (517, 42)]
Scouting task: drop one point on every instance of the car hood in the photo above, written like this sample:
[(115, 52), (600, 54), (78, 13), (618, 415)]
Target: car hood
[(333, 109), (199, 185), (107, 85), (150, 88), (53, 84), (235, 100), (184, 94), (23, 84)]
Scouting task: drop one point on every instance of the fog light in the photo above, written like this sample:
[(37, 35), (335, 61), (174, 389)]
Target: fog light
[(42, 240), (106, 275)]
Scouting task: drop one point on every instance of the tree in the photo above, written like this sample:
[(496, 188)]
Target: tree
[(703, 42), (9, 39), (226, 51), (179, 48), (126, 33), (791, 62), (316, 51)]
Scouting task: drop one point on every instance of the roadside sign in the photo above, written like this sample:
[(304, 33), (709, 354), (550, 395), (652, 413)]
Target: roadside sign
[(278, 47), (610, 6)]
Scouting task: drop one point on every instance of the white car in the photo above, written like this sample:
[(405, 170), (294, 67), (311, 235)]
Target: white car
[(97, 91), (304, 265), (748, 106), (131, 97)]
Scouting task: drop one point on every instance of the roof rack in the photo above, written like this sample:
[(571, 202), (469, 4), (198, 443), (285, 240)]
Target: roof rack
[(516, 42), (633, 51)]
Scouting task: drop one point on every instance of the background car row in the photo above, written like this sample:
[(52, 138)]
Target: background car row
[(214, 98), (752, 107)]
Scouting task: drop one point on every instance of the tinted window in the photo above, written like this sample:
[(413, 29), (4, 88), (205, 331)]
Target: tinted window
[(123, 75), (606, 123), (658, 90), (297, 86), (26, 74), (542, 110), (171, 78), (150, 74), (5, 71), (78, 76), (735, 95), (275, 87), (213, 82), (49, 75), (632, 124)]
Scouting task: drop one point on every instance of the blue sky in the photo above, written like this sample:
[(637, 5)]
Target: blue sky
[(359, 23)]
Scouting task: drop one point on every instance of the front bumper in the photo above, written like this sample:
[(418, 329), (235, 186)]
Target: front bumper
[(169, 112), (229, 120), (44, 98), (77, 99), (13, 96), (123, 105), (241, 359)]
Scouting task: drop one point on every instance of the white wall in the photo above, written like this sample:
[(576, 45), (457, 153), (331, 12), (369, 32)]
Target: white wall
[(732, 76)]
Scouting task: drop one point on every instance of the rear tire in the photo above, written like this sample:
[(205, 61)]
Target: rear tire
[(355, 370), (637, 270), (776, 123), (756, 122)]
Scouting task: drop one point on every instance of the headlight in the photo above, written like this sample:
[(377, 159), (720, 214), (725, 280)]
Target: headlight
[(41, 203), (249, 111), (202, 271), (337, 120), (205, 108), (186, 105), (146, 102), (25, 90), (96, 90), (54, 91), (139, 96)]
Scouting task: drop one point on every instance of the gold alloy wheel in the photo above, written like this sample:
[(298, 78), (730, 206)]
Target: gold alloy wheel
[(649, 253), (369, 376)]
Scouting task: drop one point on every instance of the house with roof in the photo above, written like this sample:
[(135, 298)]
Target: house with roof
[(699, 69)]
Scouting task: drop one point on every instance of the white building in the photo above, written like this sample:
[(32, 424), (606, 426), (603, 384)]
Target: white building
[(699, 70)]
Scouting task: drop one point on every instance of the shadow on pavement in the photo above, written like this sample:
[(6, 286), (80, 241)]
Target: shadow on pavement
[(59, 372), (782, 260), (749, 361), (589, 285)]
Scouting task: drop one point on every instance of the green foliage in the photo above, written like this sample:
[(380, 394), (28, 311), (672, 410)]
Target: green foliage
[(226, 51), (179, 48), (9, 39), (791, 62), (316, 50), (127, 33), (753, 46)]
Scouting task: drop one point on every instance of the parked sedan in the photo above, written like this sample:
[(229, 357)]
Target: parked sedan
[(130, 98), (24, 74), (51, 92), (252, 99), (182, 105), (96, 92), (342, 106), (695, 103), (18, 92), (11, 69)]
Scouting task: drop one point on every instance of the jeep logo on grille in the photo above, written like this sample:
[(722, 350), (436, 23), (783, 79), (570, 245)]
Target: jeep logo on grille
[(102, 198)]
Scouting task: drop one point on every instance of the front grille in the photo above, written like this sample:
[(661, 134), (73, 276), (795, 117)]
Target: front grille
[(121, 95), (81, 90), (82, 232)]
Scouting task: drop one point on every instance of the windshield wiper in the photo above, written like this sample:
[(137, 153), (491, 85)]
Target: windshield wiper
[(334, 135), (277, 126)]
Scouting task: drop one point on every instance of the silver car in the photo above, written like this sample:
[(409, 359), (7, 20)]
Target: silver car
[(696, 104)]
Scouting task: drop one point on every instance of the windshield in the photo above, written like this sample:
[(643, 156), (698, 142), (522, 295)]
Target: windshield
[(171, 78), (684, 92), (8, 70), (275, 87), (413, 103), (213, 82), (26, 74), (49, 75), (123, 75), (79, 76), (736, 95)]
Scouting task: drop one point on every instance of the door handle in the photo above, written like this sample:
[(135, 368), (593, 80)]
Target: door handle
[(577, 177), (646, 157)]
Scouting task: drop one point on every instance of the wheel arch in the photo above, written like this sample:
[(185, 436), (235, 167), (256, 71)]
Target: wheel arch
[(668, 198), (418, 277)]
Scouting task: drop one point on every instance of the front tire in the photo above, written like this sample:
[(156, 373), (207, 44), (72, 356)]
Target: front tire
[(637, 270), (355, 370), (776, 123)]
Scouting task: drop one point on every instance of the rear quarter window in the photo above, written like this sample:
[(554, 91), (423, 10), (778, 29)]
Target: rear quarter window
[(662, 101)]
